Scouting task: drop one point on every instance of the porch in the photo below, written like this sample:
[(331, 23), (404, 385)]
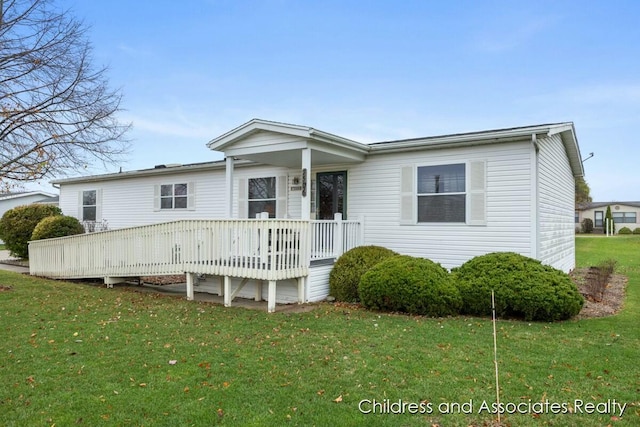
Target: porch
[(257, 250)]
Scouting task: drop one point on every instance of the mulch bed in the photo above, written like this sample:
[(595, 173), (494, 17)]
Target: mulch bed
[(612, 300), (164, 280)]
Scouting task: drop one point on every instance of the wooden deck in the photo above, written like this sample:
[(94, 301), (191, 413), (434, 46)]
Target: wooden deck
[(267, 250)]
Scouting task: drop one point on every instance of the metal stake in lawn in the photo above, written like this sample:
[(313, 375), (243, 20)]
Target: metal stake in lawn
[(495, 351)]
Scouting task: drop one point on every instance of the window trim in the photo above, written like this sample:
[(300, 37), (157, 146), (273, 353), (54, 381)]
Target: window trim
[(94, 206), (476, 190), (273, 199), (625, 215), (189, 196), (465, 193)]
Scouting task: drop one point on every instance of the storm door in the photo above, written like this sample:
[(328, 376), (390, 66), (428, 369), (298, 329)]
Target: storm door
[(331, 194)]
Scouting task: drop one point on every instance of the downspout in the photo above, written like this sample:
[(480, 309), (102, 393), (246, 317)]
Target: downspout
[(535, 193)]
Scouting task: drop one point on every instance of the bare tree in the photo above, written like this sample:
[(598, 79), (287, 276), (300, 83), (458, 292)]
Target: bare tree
[(57, 112)]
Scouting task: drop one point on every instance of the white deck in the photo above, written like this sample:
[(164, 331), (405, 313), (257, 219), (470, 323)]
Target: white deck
[(268, 250)]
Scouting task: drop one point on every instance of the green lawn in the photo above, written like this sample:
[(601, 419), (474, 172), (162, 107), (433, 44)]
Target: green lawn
[(77, 354)]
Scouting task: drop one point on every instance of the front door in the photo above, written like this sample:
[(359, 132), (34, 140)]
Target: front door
[(331, 194)]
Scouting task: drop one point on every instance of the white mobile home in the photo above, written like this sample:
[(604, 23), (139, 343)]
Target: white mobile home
[(446, 198)]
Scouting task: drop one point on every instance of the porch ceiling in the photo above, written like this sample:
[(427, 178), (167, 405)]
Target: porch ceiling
[(293, 158)]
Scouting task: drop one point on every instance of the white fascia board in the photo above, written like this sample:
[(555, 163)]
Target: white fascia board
[(148, 172), (26, 194), (465, 139)]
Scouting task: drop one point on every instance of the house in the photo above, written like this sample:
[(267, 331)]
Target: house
[(446, 198), (11, 200), (625, 214)]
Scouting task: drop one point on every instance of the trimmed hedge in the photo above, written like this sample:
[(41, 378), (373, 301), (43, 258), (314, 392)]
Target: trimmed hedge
[(625, 230), (17, 225), (57, 226), (523, 288), (636, 230), (412, 285), (349, 268)]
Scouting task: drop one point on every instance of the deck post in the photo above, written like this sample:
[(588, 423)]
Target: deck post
[(227, 291), (191, 278), (258, 290), (301, 289), (271, 300)]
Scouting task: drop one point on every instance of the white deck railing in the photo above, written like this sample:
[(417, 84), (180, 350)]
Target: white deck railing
[(265, 249), (331, 238)]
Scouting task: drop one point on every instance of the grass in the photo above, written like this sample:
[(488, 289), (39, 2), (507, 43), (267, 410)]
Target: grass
[(75, 354), (2, 247)]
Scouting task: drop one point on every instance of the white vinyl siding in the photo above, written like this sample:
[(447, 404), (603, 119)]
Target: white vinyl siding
[(556, 205), (131, 202), (504, 202)]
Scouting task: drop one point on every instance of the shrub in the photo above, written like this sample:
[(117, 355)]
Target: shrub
[(57, 226), (598, 279), (636, 230), (523, 288), (587, 225), (625, 230), (349, 268), (17, 225), (411, 285)]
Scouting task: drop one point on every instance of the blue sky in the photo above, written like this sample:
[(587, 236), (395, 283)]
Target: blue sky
[(373, 71)]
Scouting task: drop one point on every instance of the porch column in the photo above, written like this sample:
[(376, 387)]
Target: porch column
[(229, 187), (306, 183)]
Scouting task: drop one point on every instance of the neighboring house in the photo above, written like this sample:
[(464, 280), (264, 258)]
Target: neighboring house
[(11, 200), (625, 214), (447, 198)]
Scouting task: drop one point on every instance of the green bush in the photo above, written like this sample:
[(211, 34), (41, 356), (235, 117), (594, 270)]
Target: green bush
[(349, 268), (17, 225), (587, 225), (410, 285), (625, 230), (57, 226), (636, 230), (523, 288)]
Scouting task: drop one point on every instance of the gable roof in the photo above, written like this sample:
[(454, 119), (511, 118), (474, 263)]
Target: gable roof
[(259, 125), (227, 140), (566, 130)]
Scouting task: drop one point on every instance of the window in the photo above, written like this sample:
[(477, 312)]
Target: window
[(173, 196), (577, 217), (624, 217), (442, 193), (262, 196), (89, 205), (598, 218)]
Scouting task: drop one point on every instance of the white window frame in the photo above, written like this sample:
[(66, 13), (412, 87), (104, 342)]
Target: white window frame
[(273, 199), (190, 196), (475, 193), (450, 193), (624, 216), (94, 206)]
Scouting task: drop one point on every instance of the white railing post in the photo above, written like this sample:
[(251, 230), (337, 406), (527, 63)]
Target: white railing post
[(338, 235)]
